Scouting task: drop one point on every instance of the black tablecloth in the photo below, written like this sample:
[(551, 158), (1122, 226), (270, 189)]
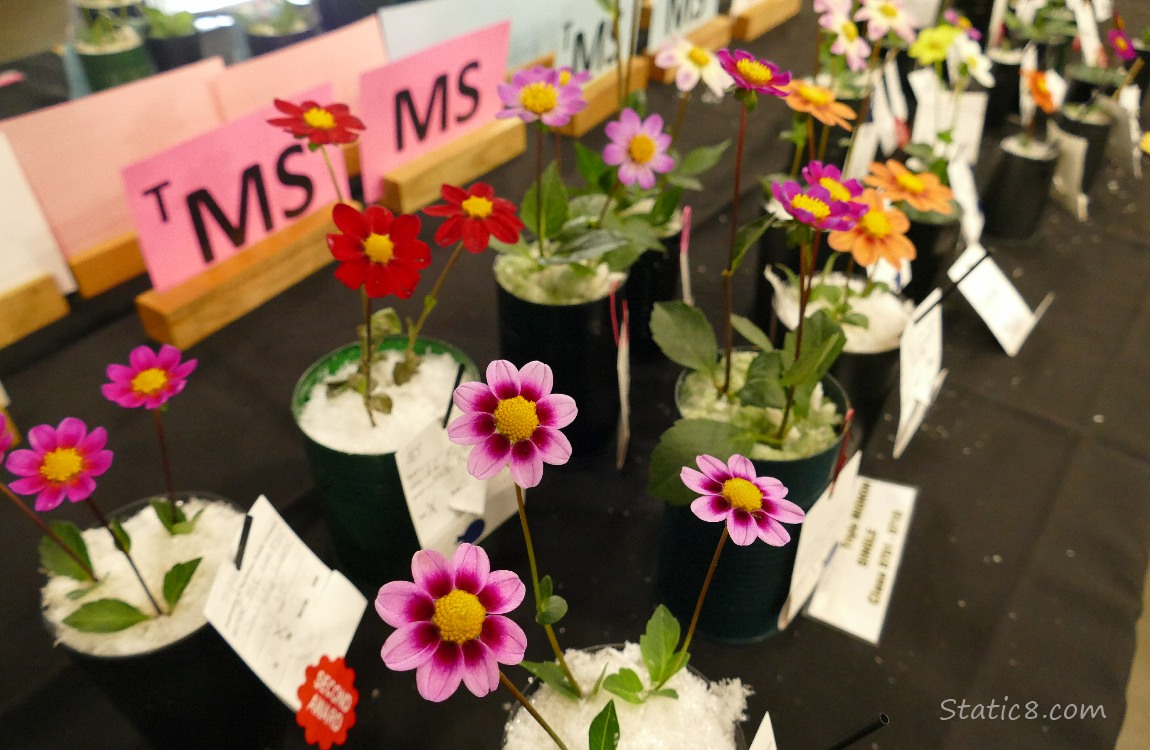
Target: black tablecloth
[(1022, 576)]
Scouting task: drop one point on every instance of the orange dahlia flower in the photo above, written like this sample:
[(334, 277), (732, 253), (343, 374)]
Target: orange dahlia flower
[(819, 103), (880, 233), (922, 191), (1036, 83)]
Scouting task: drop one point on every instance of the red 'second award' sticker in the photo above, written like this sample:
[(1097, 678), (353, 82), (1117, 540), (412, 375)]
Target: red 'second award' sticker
[(327, 703)]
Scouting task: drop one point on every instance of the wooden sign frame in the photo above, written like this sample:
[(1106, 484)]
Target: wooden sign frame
[(758, 19), (29, 307)]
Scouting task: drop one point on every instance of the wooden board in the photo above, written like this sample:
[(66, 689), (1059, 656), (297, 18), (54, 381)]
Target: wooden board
[(29, 307), (757, 20), (417, 183), (712, 35), (602, 97), (199, 307), (107, 265)]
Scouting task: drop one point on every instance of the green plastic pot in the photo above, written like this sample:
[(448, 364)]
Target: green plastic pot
[(104, 71), (751, 583), (364, 504)]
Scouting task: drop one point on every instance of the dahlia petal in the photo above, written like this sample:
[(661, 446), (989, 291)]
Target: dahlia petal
[(185, 368), (526, 464), (49, 498), (93, 441), (475, 396), (168, 357), (770, 487), (400, 603), (713, 467), (471, 428), (378, 220), (141, 358), (121, 394), (70, 432), (505, 638), (742, 528), (505, 228), (770, 530), (352, 273), (535, 381), (697, 481), (449, 231), (615, 131), (350, 221), (503, 379), (430, 572), (711, 508), (786, 511), (119, 373), (488, 457), (630, 121), (24, 463), (403, 279), (439, 677), (97, 463), (628, 173), (410, 647), (614, 154), (80, 488), (553, 446), (344, 247), (42, 438), (480, 672), (471, 566), (404, 227), (475, 236), (662, 163), (741, 467), (504, 592), (31, 485)]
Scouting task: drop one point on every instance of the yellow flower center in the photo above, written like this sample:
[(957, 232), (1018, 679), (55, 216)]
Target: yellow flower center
[(149, 381), (876, 224), (816, 95), (888, 10), (477, 207), (61, 464), (699, 56), (564, 77), (459, 617), (539, 97), (318, 117), (515, 418), (379, 248), (837, 190), (1120, 44), (849, 30), (1040, 85), (742, 494), (642, 149), (910, 183), (811, 205), (754, 72)]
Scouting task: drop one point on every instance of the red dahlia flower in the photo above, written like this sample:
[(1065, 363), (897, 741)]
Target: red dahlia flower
[(378, 251)]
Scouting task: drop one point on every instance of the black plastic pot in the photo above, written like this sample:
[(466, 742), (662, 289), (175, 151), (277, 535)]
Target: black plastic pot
[(1142, 77), (1083, 80), (364, 505), (1096, 133), (259, 44), (935, 238), (751, 583), (1018, 190), (578, 342), (171, 52), (192, 694), (654, 277), (1002, 98)]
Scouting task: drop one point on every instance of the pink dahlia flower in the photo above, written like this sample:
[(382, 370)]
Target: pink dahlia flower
[(513, 420), (6, 436), (752, 74), (830, 177), (884, 16), (751, 506), (1121, 44), (638, 148), (816, 207), (150, 379), (540, 94), (61, 463), (450, 622)]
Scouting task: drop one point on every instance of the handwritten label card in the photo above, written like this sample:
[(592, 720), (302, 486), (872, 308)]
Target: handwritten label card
[(586, 42), (995, 299), (417, 104), (920, 368), (671, 18), (412, 27), (765, 736), (1066, 187), (855, 590), (447, 504), (206, 200), (283, 609)]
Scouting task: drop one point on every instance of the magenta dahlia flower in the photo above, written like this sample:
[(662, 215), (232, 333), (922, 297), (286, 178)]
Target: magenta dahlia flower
[(816, 207), (540, 94), (638, 147), (513, 420), (830, 177), (61, 463), (753, 74), (451, 627), (1121, 44), (150, 379), (6, 436), (751, 506)]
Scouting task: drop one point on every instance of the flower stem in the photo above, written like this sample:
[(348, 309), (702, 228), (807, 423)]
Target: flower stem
[(331, 172), (116, 540), (44, 527), (699, 603), (530, 709), (161, 437), (365, 355), (429, 301), (807, 254), (823, 140), (535, 588), (539, 186), (680, 115), (810, 138), (607, 203), (728, 303), (558, 149)]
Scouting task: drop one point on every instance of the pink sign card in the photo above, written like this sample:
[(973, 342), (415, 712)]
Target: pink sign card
[(417, 104), (72, 153), (337, 57), (205, 200)]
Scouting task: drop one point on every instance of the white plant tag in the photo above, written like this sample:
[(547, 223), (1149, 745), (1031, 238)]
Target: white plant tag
[(920, 364), (1103, 10), (623, 371), (997, 18), (995, 298), (924, 83), (765, 736), (1057, 87), (1088, 38), (433, 471), (677, 18), (883, 120), (962, 183), (1066, 188), (894, 91), (862, 153), (855, 590), (685, 257), (283, 608)]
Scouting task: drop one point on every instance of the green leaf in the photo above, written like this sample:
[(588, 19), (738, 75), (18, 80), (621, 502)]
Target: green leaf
[(664, 209), (823, 342), (685, 335), (665, 693), (123, 541), (187, 527), (625, 684), (679, 446), (81, 592), (552, 674), (829, 292), (856, 319), (551, 610), (591, 166), (684, 181), (589, 246), (604, 731), (546, 587), (105, 616), (748, 235), (762, 387), (55, 560), (169, 513), (177, 579), (658, 645), (599, 682), (751, 332), (701, 159), (554, 204)]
